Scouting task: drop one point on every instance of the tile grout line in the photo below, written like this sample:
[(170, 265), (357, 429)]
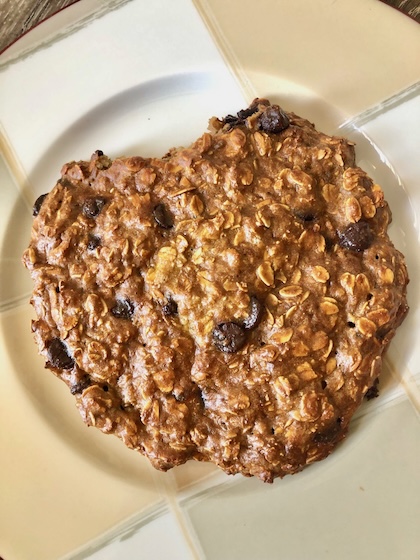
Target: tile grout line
[(388, 104), (406, 379), (167, 486), (222, 44), (14, 303), (25, 190), (15, 168)]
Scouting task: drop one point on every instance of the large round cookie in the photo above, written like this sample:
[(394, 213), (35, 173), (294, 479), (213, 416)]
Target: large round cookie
[(229, 302)]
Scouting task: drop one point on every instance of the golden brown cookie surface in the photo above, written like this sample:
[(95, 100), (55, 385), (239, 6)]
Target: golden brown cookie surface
[(229, 302)]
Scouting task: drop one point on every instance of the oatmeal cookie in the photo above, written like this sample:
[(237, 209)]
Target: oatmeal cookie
[(230, 302)]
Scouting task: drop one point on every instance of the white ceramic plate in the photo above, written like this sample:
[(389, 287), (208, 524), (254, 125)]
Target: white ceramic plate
[(135, 77)]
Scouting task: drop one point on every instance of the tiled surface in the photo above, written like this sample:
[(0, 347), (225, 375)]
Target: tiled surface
[(82, 495)]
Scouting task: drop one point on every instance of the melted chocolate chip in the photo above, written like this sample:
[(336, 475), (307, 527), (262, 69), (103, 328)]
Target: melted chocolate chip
[(255, 314), (170, 308), (80, 386), (308, 218), (232, 120), (245, 113), (329, 434), (229, 337), (58, 355), (356, 237), (123, 309), (38, 203), (93, 206), (274, 120), (241, 116), (162, 217), (94, 242)]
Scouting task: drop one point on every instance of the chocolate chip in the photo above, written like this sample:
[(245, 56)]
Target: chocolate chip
[(38, 203), (99, 153), (123, 309), (274, 120), (232, 120), (350, 324), (305, 216), (94, 242), (58, 355), (373, 391), (229, 337), (162, 217), (93, 206), (329, 243), (64, 182), (81, 385), (365, 182), (255, 314), (170, 308), (356, 237)]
